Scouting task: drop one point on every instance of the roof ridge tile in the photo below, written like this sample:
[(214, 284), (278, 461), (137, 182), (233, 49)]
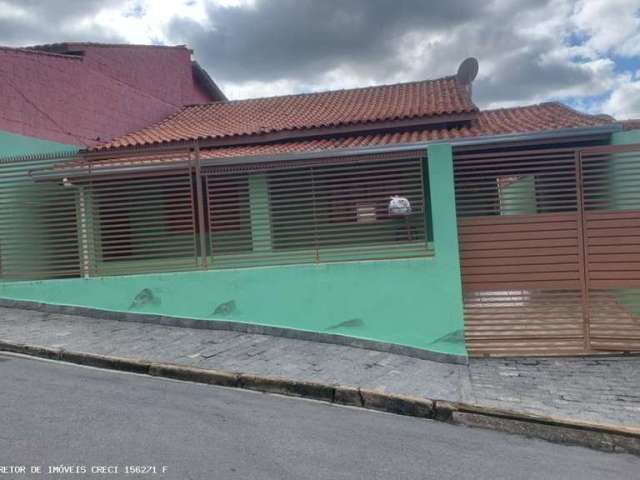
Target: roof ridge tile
[(411, 100), (321, 92)]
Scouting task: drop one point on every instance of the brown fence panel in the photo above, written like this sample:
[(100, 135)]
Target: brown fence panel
[(611, 178), (324, 210), (521, 253), (522, 286), (141, 219), (161, 210), (38, 222)]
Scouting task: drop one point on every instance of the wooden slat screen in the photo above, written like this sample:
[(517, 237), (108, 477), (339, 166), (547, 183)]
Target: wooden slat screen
[(520, 252), (322, 212), (38, 223), (524, 322), (611, 179), (164, 211), (139, 223)]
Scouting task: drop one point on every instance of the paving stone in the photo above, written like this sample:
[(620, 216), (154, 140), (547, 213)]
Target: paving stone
[(602, 390)]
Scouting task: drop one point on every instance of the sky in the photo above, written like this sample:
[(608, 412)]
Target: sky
[(585, 53)]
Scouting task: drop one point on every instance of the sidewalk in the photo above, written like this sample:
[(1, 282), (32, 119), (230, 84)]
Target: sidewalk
[(605, 390)]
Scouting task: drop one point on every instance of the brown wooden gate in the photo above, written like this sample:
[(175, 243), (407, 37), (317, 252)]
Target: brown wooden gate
[(549, 241), (611, 226)]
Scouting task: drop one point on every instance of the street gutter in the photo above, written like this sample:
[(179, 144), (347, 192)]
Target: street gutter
[(609, 438)]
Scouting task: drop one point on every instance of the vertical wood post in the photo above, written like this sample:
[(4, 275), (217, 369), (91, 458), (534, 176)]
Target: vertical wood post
[(582, 256), (260, 213), (83, 232), (200, 208)]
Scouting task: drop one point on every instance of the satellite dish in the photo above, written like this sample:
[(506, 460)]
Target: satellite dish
[(467, 71)]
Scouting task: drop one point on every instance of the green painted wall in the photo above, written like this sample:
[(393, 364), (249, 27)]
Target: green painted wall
[(623, 171), (396, 301), (12, 145), (411, 302), (624, 196), (625, 138), (519, 197), (260, 208)]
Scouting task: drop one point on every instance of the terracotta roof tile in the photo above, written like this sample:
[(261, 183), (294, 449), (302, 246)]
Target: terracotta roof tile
[(428, 98), (529, 119), (631, 124)]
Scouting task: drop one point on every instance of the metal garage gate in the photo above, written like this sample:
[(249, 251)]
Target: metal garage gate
[(550, 250)]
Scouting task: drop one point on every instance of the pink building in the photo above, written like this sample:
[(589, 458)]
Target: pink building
[(81, 94)]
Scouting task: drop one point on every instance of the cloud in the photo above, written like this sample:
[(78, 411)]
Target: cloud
[(624, 101), (282, 39), (521, 59), (584, 52), (610, 26), (29, 22), (528, 51)]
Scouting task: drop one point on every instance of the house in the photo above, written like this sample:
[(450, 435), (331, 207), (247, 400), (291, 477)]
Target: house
[(66, 96), (277, 214)]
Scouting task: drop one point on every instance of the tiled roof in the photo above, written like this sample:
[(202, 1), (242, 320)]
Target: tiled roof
[(534, 118), (529, 119), (66, 46), (429, 98), (30, 51), (632, 124)]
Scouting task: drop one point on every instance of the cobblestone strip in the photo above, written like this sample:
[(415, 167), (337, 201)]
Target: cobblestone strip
[(592, 389), (605, 390)]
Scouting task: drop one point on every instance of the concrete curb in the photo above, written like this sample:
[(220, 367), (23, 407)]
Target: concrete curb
[(610, 438), (183, 322)]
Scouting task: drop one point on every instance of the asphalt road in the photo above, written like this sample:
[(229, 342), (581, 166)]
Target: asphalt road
[(54, 414)]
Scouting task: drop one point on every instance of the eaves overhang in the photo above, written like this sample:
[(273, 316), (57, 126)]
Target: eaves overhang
[(583, 133)]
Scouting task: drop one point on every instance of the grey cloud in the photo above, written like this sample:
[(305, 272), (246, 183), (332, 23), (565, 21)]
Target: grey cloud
[(380, 41), (300, 40), (62, 9), (54, 21), (281, 39), (525, 76), (519, 71), (14, 33)]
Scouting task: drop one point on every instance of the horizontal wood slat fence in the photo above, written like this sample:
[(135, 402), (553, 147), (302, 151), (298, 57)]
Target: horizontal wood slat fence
[(549, 238), (38, 223), (167, 211), (550, 250)]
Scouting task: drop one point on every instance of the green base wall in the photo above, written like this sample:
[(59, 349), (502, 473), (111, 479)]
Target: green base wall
[(14, 145), (411, 302), (625, 138), (627, 297), (405, 302)]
